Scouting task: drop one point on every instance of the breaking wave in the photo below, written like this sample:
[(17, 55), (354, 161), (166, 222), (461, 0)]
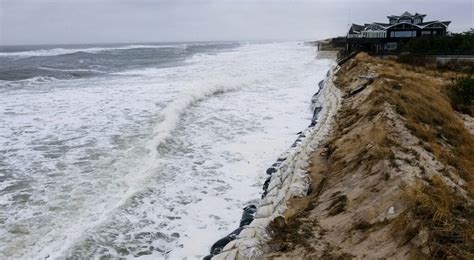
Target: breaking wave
[(171, 114), (72, 70), (27, 82), (63, 51)]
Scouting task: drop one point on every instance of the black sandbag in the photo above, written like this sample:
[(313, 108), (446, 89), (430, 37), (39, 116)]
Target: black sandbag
[(321, 85), (248, 215), (316, 94), (314, 99), (271, 170), (265, 186), (221, 243)]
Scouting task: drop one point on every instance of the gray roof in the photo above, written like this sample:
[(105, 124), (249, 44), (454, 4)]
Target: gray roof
[(383, 24), (406, 14), (356, 28), (430, 22)]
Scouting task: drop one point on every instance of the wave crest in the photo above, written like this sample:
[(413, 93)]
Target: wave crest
[(63, 51), (171, 115), (26, 82)]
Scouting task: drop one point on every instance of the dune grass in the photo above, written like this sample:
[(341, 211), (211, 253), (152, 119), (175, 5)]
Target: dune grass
[(421, 96), (437, 219)]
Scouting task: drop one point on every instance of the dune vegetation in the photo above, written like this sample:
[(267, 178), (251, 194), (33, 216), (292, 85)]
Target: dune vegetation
[(395, 179)]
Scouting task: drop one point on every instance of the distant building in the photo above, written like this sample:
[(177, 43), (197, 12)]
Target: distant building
[(385, 36)]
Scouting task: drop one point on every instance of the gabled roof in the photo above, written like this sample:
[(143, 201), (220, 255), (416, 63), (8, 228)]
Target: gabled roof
[(446, 23), (375, 26), (383, 24), (422, 25), (406, 14), (356, 28)]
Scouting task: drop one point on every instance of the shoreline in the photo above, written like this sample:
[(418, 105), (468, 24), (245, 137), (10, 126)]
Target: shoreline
[(287, 178)]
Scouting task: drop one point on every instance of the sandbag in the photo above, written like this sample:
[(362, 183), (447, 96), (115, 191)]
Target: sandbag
[(221, 243), (265, 186), (248, 215), (271, 170), (321, 85)]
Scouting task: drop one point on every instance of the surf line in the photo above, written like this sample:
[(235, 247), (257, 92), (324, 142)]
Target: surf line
[(276, 187)]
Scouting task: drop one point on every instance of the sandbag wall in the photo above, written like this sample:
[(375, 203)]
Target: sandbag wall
[(287, 178)]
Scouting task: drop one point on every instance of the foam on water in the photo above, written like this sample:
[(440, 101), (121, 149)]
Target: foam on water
[(72, 70), (156, 163), (26, 82), (63, 51)]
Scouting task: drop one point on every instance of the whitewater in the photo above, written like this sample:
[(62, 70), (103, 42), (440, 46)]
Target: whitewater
[(151, 157)]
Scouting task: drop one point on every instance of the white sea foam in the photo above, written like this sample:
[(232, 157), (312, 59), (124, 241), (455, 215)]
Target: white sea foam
[(72, 70), (62, 51), (157, 163), (27, 82)]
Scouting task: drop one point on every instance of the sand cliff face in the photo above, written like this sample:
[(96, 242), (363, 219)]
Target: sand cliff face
[(394, 178)]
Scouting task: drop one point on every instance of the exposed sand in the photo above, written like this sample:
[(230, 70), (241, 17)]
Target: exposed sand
[(369, 174)]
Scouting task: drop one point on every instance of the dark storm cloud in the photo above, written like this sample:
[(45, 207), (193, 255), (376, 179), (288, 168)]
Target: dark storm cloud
[(86, 21)]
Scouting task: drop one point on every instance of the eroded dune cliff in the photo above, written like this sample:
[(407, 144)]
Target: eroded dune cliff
[(394, 178)]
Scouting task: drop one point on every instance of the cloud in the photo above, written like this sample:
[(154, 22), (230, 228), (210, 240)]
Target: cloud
[(91, 21)]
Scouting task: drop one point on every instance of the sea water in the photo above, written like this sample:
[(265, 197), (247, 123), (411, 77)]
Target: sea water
[(147, 150)]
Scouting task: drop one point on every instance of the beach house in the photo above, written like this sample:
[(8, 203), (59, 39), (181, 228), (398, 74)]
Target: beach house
[(380, 37)]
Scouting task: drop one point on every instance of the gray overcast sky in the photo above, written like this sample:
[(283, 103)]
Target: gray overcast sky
[(95, 21)]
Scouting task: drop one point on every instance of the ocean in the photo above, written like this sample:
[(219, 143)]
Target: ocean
[(143, 150)]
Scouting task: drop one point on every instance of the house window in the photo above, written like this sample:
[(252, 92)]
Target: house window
[(425, 32), (374, 34), (403, 34), (405, 20), (393, 21), (391, 46), (417, 21)]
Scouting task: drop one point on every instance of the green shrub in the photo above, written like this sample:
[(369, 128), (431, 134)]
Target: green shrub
[(462, 94), (449, 44)]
